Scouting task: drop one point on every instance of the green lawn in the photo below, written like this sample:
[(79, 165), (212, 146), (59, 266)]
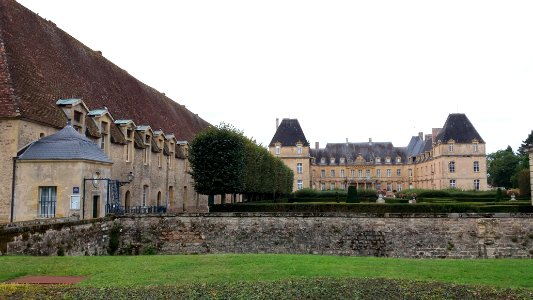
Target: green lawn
[(120, 271)]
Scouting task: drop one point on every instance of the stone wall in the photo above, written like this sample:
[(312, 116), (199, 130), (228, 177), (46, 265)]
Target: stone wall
[(421, 236)]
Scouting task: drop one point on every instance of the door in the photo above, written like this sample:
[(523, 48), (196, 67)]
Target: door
[(96, 206)]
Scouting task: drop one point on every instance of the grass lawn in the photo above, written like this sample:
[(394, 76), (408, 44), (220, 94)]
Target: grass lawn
[(123, 271)]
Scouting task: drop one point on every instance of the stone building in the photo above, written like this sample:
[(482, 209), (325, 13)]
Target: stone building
[(450, 157), (48, 78)]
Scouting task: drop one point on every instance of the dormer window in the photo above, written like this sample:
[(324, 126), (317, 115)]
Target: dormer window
[(129, 134), (278, 149), (378, 159), (104, 128), (322, 160), (474, 147), (342, 160), (450, 147), (147, 139), (78, 116), (387, 159), (299, 148), (398, 159), (332, 161)]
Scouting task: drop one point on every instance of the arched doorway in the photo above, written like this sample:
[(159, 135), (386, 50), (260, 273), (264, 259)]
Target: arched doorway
[(127, 200)]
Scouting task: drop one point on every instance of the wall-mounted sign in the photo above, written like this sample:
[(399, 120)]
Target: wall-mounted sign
[(75, 202), (76, 190)]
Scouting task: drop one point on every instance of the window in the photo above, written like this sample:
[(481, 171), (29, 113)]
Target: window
[(104, 131), (368, 174), (299, 149), (343, 186), (359, 173), (128, 151), (352, 173), (476, 184), (450, 147), (47, 201), (332, 161), (147, 139), (299, 168), (332, 173), (389, 173), (452, 183), (398, 172), (145, 195), (323, 160), (77, 116), (378, 159), (332, 186), (398, 159), (342, 160), (474, 147), (378, 173), (160, 159), (387, 159), (389, 187), (323, 173), (145, 155), (300, 184), (342, 173), (410, 171), (451, 167), (378, 186), (476, 166), (399, 187), (323, 186), (278, 149)]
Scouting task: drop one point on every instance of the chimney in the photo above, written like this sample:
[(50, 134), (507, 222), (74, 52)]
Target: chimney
[(277, 123), (370, 141), (421, 135), (429, 137), (435, 132), (346, 140), (317, 145)]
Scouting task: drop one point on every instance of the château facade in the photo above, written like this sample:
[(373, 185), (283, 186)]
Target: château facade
[(450, 157)]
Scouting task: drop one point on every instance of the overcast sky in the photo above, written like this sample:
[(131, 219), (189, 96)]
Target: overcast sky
[(345, 69)]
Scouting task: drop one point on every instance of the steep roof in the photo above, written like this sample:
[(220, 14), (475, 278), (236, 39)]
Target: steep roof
[(459, 129), (40, 63), (369, 151), (66, 144), (289, 133)]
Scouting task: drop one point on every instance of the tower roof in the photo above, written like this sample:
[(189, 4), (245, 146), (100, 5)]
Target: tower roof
[(40, 63), (289, 133), (66, 144), (459, 129)]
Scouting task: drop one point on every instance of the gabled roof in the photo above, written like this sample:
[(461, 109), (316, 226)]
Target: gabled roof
[(66, 144), (289, 133), (459, 129), (72, 101), (40, 63)]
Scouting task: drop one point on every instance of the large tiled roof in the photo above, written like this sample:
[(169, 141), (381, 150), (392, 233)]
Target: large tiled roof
[(40, 63), (66, 144), (289, 133), (350, 151), (459, 129)]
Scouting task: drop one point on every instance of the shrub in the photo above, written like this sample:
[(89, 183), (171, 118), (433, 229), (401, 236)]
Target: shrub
[(499, 194), (352, 195)]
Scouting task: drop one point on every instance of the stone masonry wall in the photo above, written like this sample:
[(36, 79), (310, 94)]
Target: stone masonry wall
[(438, 236)]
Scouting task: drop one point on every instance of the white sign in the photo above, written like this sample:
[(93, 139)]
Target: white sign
[(75, 202)]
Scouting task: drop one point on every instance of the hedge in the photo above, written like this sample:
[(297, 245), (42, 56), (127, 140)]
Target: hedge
[(373, 208)]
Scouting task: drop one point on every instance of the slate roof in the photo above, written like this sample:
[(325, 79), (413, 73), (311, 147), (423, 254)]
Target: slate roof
[(289, 133), (459, 129), (350, 151), (66, 144), (40, 63)]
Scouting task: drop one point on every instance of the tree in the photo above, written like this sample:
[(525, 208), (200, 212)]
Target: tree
[(502, 165), (217, 157)]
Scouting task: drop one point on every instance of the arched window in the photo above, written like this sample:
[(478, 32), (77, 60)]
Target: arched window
[(145, 195), (451, 167), (159, 198)]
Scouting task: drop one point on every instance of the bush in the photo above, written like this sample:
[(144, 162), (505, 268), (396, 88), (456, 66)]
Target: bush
[(499, 194), (352, 195), (372, 208)]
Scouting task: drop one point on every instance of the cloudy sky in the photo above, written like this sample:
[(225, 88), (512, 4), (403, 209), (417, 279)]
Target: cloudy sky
[(346, 69)]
